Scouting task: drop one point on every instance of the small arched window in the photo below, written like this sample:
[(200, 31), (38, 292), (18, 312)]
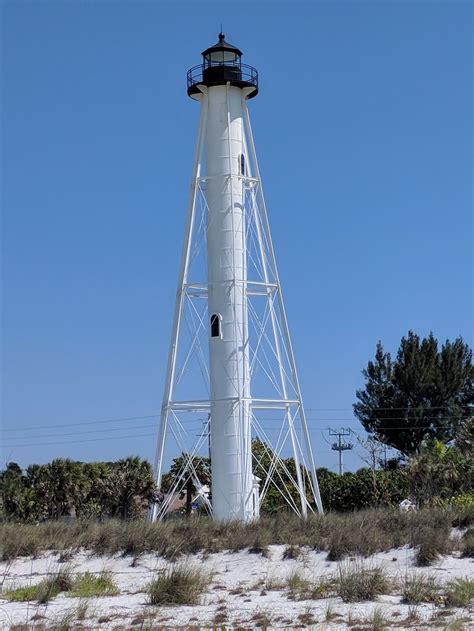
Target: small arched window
[(242, 164), (215, 325)]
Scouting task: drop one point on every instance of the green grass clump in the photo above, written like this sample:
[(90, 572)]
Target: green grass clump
[(180, 585), (88, 585), (21, 594), (459, 593), (43, 591), (298, 587), (355, 582), (418, 588)]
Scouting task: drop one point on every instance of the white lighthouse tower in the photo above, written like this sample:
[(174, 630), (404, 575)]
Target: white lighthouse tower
[(230, 323)]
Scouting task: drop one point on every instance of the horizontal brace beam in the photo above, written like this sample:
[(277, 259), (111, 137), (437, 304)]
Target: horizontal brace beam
[(189, 406), (272, 404), (252, 180), (266, 406), (255, 403)]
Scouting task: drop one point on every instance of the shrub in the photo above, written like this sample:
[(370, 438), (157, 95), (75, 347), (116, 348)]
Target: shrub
[(180, 585), (355, 582), (464, 500), (363, 489)]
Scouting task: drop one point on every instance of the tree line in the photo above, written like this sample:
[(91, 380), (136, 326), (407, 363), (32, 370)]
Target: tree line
[(439, 474), (87, 490)]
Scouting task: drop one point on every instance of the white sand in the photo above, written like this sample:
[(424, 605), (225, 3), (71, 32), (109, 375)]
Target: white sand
[(252, 575)]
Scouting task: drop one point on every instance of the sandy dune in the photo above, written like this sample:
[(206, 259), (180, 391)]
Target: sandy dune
[(246, 590)]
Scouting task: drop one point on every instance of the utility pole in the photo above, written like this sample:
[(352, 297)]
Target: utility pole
[(340, 446)]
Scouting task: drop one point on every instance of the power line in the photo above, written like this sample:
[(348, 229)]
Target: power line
[(112, 420), (191, 427), (84, 440), (90, 431), (298, 430), (91, 440), (133, 418)]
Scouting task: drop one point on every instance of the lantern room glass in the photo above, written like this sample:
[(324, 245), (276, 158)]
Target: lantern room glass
[(221, 57)]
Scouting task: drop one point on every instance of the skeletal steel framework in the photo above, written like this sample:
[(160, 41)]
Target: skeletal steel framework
[(276, 407)]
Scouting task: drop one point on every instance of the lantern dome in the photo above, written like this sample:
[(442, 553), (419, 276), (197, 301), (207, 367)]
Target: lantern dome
[(222, 52), (222, 64)]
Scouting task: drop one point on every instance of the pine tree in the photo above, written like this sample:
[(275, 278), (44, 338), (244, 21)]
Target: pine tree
[(424, 394)]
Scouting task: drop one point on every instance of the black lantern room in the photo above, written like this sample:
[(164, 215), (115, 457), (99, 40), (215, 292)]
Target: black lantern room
[(222, 64)]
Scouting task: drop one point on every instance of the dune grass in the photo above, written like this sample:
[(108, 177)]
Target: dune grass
[(360, 533), (21, 594), (83, 586), (356, 581), (181, 585), (88, 585), (43, 591), (459, 593), (418, 588), (431, 542)]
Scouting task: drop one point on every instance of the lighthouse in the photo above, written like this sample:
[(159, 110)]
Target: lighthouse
[(237, 326)]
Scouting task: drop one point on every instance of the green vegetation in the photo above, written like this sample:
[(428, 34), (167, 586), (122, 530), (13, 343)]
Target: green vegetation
[(173, 479), (432, 543), (356, 582), (360, 533), (292, 552), (21, 594), (418, 588), (467, 543), (89, 585), (376, 621), (423, 394), (123, 489), (83, 586), (43, 591), (298, 587), (420, 403), (460, 593), (180, 585)]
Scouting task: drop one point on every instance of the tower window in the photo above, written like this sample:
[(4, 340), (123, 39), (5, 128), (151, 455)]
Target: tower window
[(242, 164), (216, 325)]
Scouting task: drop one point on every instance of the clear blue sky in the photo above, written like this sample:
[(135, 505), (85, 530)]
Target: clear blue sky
[(364, 133)]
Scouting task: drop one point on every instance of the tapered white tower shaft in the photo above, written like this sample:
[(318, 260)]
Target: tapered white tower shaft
[(227, 275)]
